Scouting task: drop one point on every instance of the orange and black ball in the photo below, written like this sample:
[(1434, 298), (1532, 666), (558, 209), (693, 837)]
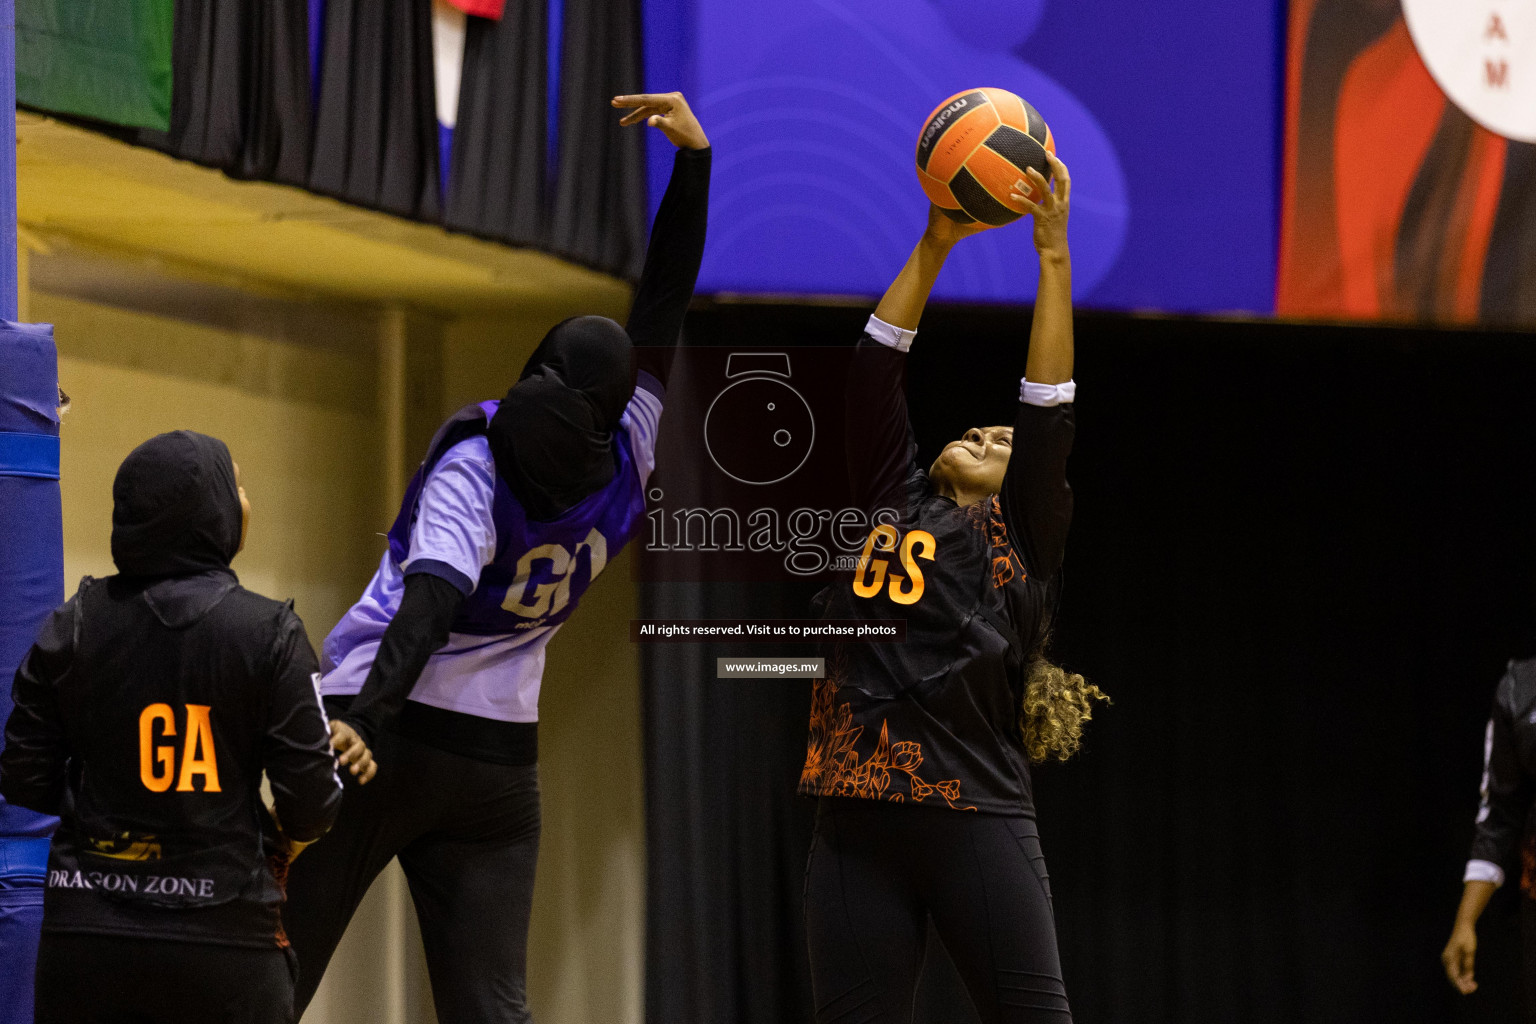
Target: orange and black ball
[(973, 151)]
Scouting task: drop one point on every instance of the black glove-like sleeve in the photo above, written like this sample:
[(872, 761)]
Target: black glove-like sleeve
[(671, 263), (1036, 499), (420, 627)]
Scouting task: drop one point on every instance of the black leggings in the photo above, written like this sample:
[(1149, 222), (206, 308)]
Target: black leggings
[(100, 979), (877, 873), (467, 835)]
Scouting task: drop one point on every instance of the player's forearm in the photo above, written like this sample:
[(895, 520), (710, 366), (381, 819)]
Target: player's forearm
[(903, 302), (675, 253), (308, 807), (1474, 900), (297, 753), (419, 628), (1050, 335)]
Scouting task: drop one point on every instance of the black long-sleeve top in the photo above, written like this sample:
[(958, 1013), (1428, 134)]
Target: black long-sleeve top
[(934, 720), (672, 263), (430, 604), (145, 717), (1506, 815)]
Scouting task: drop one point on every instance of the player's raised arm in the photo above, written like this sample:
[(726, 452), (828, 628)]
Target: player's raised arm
[(1050, 336), (677, 236), (902, 304), (881, 448), (1036, 501)]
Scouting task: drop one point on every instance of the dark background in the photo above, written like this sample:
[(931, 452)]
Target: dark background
[(1301, 558)]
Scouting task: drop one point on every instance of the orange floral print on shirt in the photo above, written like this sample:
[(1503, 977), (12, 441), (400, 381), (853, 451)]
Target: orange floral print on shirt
[(833, 766), (1005, 562)]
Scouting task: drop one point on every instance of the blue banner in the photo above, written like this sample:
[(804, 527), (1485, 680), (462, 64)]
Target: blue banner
[(1167, 114)]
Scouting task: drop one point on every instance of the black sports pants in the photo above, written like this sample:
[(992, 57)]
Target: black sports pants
[(101, 979), (878, 871), (467, 834)]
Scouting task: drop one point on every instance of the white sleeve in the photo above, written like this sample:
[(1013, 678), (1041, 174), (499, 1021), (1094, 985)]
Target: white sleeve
[(897, 338), (1047, 395), (643, 420), (454, 524), (1483, 871)]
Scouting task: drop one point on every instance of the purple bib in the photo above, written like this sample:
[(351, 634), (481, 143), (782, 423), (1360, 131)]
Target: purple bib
[(540, 570)]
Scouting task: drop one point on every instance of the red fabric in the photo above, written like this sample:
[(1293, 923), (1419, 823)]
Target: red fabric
[(1359, 138), (481, 8), (1387, 114), (1480, 200), (1298, 279)]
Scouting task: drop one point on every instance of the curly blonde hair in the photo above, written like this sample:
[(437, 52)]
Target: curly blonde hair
[(1055, 706)]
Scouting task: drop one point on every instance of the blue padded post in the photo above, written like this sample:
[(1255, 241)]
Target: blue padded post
[(31, 585), (31, 551)]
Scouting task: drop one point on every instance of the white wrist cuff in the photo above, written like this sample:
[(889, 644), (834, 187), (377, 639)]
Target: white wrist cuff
[(1483, 871), (890, 337), (1047, 395)]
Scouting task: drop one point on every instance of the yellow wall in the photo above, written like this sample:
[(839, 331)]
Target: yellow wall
[(293, 420), (301, 422), (301, 415), (586, 953)]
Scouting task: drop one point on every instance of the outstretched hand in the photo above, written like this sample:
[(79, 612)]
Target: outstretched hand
[(1459, 956), (352, 752), (668, 111), (1051, 211), (946, 230)]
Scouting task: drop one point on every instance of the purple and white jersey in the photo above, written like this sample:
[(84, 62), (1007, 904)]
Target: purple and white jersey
[(523, 579)]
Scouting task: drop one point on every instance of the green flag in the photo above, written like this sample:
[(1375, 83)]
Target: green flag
[(105, 59)]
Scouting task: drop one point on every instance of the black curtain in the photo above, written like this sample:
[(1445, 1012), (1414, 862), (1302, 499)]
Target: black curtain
[(726, 844), (724, 932), (376, 121), (240, 88), (598, 210), (243, 101), (496, 188), (1300, 560)]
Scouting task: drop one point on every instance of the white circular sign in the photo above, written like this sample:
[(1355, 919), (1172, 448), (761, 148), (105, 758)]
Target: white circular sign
[(1482, 54)]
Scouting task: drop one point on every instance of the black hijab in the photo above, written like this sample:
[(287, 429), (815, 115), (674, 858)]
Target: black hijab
[(175, 507), (552, 437)]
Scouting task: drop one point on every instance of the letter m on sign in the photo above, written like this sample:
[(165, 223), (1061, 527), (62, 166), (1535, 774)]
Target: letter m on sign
[(1497, 73)]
